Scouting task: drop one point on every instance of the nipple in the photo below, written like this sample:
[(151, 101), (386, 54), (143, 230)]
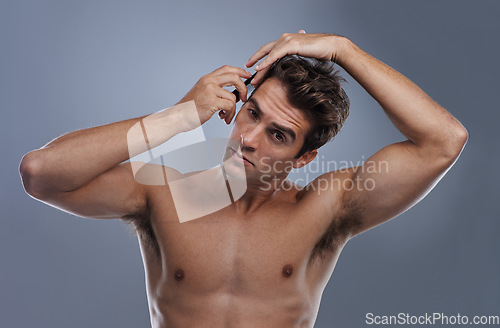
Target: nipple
[(287, 270), (179, 274)]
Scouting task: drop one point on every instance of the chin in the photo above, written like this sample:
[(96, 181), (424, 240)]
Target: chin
[(233, 169)]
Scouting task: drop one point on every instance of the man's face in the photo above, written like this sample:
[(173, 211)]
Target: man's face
[(269, 133)]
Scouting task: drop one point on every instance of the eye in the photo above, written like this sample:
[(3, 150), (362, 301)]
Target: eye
[(278, 136), (252, 112)]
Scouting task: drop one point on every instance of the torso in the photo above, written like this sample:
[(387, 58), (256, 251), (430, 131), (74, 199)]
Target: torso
[(264, 269)]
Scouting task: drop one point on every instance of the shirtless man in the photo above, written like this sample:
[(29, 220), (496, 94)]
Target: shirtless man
[(264, 260)]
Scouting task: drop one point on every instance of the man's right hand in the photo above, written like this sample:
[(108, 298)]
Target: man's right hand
[(210, 96)]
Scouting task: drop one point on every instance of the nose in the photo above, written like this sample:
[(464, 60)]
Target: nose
[(249, 140)]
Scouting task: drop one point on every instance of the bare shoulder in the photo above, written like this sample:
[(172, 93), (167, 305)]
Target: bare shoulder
[(329, 187), (321, 205), (154, 180), (325, 196)]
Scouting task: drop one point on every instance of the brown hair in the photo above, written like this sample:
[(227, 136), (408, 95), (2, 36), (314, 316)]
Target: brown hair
[(314, 87)]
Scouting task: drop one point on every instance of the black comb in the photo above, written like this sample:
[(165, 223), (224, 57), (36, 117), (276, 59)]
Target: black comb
[(247, 82)]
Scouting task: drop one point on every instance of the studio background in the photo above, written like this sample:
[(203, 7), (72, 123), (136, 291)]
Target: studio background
[(68, 65)]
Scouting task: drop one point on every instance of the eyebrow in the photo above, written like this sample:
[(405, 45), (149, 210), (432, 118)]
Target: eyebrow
[(281, 128)]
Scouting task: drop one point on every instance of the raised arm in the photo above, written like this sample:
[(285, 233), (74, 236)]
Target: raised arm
[(80, 172), (83, 173), (403, 173), (399, 175)]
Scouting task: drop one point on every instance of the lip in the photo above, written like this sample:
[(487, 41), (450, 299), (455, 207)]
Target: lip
[(240, 156)]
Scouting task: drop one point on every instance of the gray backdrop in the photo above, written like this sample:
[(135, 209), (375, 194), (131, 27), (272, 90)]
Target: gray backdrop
[(68, 65)]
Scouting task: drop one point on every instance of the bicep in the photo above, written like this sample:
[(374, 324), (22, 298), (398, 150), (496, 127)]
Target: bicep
[(112, 194), (389, 183)]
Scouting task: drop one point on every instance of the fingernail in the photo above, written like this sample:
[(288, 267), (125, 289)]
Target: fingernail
[(257, 67)]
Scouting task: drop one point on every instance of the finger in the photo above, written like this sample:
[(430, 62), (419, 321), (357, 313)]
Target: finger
[(227, 107), (233, 79), (263, 51), (226, 95), (259, 76), (302, 32), (231, 115), (224, 106), (231, 69), (275, 54)]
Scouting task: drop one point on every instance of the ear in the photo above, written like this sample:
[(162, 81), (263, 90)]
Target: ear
[(305, 159)]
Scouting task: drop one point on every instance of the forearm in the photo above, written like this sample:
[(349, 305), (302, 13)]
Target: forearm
[(412, 111), (74, 159)]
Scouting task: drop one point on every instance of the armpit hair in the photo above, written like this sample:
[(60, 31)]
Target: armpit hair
[(338, 231), (140, 225)]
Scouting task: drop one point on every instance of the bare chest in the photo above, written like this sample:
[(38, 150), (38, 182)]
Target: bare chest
[(224, 252)]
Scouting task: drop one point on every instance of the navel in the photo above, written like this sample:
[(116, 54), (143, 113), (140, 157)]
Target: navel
[(179, 274), (287, 270)]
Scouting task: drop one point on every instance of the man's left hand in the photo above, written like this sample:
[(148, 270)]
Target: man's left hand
[(327, 47)]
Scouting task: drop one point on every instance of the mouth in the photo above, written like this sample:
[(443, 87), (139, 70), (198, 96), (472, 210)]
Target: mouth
[(240, 156)]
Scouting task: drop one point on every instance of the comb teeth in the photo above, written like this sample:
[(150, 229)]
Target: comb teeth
[(247, 82)]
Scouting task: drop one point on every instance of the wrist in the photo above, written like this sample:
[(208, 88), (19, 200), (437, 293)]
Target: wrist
[(182, 117), (344, 50)]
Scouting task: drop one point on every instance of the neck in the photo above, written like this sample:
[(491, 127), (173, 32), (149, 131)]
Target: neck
[(252, 200), (256, 195)]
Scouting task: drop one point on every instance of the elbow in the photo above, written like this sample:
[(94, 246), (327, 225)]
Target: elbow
[(30, 170), (461, 137), (464, 137), (456, 142)]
